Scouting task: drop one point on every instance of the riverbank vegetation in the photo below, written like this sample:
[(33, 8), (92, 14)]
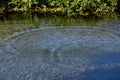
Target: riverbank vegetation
[(97, 8)]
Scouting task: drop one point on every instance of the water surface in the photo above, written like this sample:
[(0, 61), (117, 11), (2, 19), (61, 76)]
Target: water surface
[(55, 48)]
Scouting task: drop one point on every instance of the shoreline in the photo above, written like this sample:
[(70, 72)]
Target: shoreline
[(58, 11)]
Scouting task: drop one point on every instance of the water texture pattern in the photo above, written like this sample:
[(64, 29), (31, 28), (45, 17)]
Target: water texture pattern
[(61, 54)]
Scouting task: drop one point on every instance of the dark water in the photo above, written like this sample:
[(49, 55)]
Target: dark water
[(55, 48)]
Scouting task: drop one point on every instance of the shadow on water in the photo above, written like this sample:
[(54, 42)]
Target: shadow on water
[(56, 48)]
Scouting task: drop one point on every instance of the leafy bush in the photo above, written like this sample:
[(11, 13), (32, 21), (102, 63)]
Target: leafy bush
[(70, 7), (81, 7), (21, 4)]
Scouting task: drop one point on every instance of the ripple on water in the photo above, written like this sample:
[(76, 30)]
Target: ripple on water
[(64, 47), (61, 42)]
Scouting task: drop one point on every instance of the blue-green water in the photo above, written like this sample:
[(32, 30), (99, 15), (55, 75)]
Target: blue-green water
[(54, 48)]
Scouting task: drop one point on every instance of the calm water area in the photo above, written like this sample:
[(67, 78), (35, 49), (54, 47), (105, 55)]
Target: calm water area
[(33, 47)]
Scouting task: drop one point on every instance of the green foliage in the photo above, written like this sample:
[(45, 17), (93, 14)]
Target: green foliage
[(96, 7), (70, 7), (21, 4)]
